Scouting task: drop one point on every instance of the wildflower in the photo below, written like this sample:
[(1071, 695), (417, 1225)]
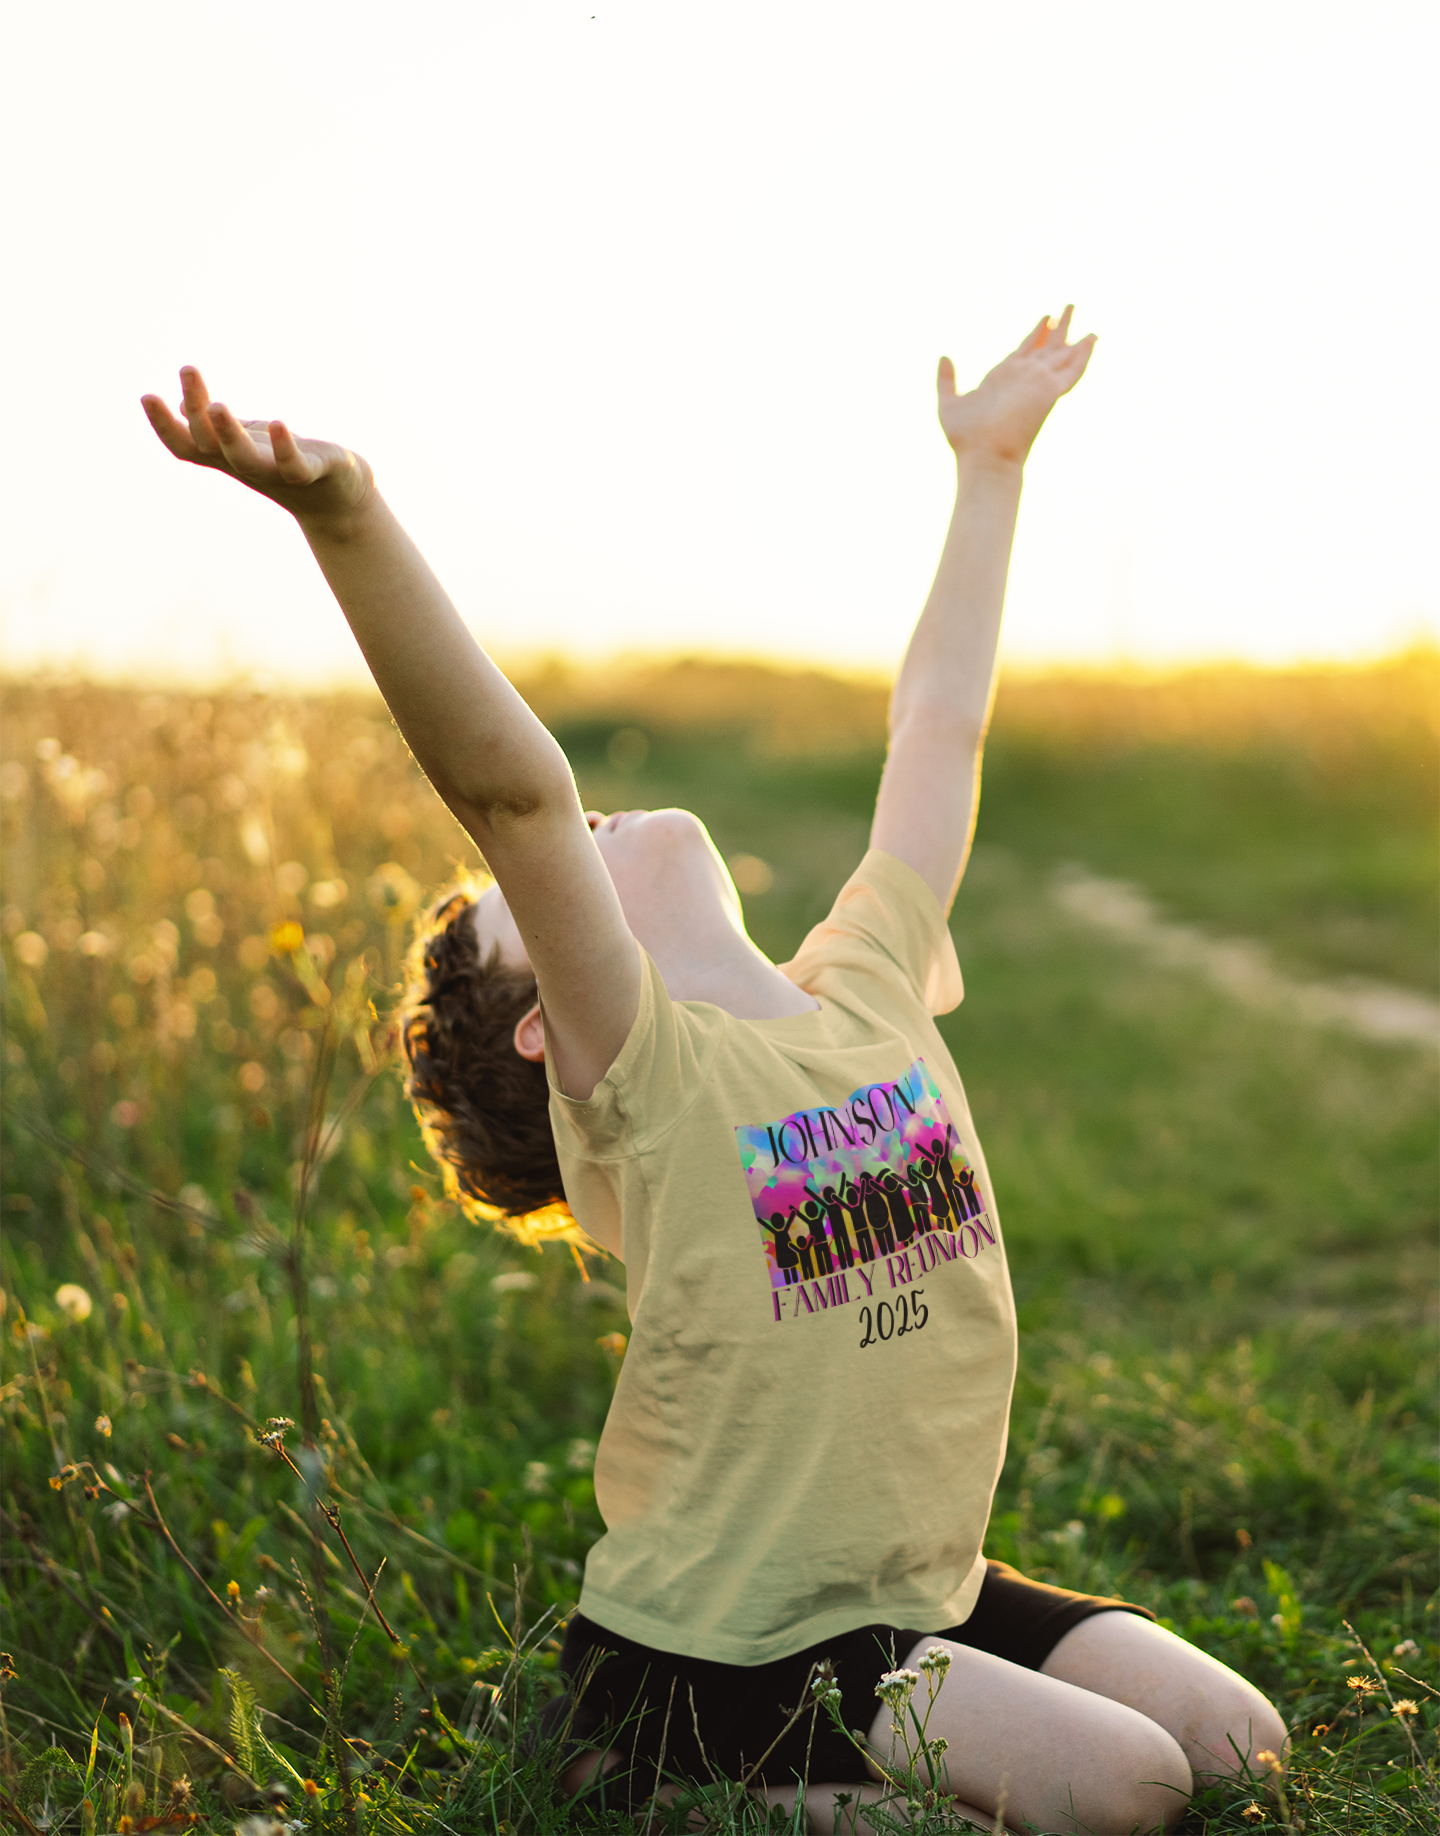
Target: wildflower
[(1365, 1686), (1406, 1707), (287, 938), (1407, 1649), (935, 1663), (1242, 1603), (102, 1425), (1253, 1811), (232, 1589), (1269, 1760), (896, 1687), (310, 1788)]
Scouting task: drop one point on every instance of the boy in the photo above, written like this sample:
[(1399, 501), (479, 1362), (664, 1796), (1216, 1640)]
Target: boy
[(806, 1433)]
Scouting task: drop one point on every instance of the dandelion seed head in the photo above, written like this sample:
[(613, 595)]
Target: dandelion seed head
[(73, 1301)]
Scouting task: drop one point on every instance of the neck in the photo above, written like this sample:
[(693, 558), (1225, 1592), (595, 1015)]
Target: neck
[(731, 973)]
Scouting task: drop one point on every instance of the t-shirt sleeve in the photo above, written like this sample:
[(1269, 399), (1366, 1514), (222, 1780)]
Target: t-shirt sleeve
[(656, 1075), (886, 922)]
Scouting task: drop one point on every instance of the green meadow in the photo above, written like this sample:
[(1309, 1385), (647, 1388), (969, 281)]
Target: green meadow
[(235, 1292)]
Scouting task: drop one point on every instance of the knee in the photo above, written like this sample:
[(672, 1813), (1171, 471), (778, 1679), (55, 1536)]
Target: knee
[(1146, 1788), (1234, 1731)]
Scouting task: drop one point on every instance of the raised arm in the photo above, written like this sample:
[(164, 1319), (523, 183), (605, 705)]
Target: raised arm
[(492, 761), (930, 789)]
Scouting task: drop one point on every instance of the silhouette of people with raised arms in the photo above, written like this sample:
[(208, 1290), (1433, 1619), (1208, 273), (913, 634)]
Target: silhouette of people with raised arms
[(945, 1167), (974, 1205), (941, 1217), (813, 1213), (903, 1218), (877, 1214), (787, 1258), (835, 1211), (919, 1203), (853, 1199)]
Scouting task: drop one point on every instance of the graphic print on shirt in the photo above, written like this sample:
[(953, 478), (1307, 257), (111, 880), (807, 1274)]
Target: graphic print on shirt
[(879, 1183)]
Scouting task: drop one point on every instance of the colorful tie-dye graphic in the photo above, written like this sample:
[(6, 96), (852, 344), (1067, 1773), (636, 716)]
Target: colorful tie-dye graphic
[(833, 1187)]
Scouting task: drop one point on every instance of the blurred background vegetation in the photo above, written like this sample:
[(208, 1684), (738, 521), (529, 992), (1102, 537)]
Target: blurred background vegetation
[(1220, 1219)]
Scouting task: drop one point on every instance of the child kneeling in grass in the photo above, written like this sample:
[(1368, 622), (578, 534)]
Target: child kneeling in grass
[(806, 1433)]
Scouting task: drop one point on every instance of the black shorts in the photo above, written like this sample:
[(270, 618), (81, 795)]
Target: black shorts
[(638, 1700)]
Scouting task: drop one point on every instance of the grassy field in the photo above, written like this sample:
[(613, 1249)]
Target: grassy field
[(218, 1212)]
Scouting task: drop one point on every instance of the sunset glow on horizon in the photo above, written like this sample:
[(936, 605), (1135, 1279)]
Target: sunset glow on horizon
[(636, 313)]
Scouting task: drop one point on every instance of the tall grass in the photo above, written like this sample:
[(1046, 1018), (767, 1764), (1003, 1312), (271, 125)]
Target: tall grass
[(296, 1484)]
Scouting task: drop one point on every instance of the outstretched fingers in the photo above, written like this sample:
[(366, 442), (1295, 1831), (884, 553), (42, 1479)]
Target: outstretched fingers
[(235, 444), (945, 377), (195, 398), (1072, 366), (293, 465), (173, 434)]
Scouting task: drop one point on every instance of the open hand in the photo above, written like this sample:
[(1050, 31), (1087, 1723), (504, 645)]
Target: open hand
[(310, 478), (1003, 416)]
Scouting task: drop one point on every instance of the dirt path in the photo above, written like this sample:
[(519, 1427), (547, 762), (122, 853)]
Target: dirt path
[(1245, 970)]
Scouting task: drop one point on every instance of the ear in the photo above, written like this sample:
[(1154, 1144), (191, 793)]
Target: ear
[(530, 1036)]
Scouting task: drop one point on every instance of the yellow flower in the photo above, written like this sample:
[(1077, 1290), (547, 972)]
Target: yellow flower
[(232, 1588), (1406, 1707), (102, 1423), (286, 938)]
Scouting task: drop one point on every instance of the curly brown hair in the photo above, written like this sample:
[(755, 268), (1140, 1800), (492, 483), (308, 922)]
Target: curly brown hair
[(484, 1110)]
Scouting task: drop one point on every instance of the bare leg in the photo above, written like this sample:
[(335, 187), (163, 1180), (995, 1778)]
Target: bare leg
[(1066, 1758), (1217, 1718)]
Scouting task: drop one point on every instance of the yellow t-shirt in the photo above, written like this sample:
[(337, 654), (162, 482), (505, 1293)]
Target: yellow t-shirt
[(811, 1415)]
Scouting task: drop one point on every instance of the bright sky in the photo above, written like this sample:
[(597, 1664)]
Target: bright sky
[(635, 308)]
